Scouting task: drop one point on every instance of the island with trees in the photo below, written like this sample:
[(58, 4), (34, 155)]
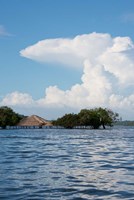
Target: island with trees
[(94, 118)]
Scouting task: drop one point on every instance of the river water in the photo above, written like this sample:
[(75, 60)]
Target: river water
[(52, 164)]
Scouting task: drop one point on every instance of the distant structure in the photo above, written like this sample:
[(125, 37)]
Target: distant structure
[(34, 120)]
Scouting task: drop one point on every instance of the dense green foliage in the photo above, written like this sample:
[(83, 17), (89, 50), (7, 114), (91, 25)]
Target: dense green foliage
[(94, 118), (67, 121), (8, 117)]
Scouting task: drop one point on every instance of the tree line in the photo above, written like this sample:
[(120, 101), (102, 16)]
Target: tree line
[(95, 118)]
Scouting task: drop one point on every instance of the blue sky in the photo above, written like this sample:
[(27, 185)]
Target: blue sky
[(24, 23)]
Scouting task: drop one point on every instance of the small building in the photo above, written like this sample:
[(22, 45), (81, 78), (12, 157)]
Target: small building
[(34, 121)]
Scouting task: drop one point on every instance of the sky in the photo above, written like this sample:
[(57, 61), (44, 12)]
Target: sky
[(60, 56)]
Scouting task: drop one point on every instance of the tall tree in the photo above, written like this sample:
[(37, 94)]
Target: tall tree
[(107, 116)]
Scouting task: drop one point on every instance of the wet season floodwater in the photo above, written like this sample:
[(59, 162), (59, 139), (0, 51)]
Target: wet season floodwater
[(60, 164)]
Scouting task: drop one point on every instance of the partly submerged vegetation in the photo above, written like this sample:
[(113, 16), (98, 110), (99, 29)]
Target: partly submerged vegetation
[(94, 118), (8, 117)]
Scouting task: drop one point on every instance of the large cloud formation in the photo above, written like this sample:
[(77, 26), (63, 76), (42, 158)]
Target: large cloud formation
[(107, 79)]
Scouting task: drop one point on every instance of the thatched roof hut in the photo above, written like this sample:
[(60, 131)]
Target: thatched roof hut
[(34, 120)]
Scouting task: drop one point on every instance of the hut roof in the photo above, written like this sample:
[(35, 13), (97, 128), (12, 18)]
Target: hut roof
[(34, 120)]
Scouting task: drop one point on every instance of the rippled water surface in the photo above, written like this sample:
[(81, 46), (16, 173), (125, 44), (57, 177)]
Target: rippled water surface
[(67, 164)]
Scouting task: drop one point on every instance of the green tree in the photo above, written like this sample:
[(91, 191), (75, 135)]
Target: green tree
[(89, 118), (84, 117), (67, 121), (8, 117), (107, 116)]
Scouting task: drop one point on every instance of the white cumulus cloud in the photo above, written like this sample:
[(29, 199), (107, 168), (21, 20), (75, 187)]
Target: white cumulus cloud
[(17, 98), (107, 79)]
